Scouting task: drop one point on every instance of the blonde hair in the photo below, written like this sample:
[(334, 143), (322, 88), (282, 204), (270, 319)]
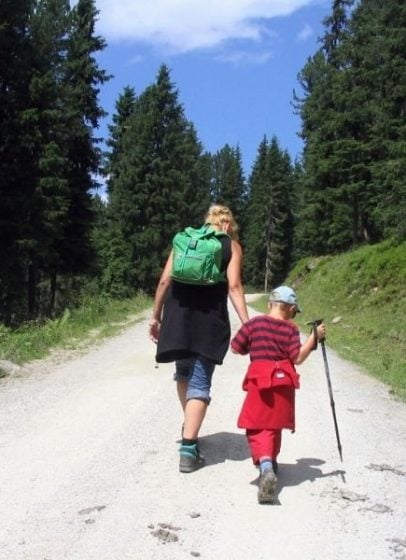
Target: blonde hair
[(218, 215)]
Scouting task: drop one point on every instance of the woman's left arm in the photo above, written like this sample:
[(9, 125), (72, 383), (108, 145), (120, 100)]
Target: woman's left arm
[(235, 288)]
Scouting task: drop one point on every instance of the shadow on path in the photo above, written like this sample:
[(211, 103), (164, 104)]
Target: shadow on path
[(305, 470), (224, 446)]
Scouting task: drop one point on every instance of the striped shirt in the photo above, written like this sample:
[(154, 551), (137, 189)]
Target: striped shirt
[(267, 338)]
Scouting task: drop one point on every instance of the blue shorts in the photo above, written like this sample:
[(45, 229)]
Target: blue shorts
[(198, 372)]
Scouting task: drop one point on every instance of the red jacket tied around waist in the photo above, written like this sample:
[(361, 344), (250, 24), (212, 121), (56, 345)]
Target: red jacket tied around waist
[(270, 399)]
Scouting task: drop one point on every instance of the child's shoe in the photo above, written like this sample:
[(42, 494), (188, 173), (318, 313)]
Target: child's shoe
[(190, 458), (267, 486)]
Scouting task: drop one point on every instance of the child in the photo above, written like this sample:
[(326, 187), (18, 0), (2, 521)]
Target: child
[(273, 343)]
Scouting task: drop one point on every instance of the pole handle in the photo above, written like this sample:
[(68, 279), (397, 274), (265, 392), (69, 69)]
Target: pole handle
[(315, 323)]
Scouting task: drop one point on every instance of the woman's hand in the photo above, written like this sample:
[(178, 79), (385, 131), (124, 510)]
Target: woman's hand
[(154, 326)]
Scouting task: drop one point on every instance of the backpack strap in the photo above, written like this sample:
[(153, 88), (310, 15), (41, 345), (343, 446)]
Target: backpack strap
[(225, 240)]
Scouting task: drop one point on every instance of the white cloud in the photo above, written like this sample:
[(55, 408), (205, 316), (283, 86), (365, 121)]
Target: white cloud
[(305, 33), (185, 25), (242, 58), (137, 59)]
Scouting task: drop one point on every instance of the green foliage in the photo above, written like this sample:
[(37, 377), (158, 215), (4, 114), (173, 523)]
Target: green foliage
[(48, 97), (366, 289), (125, 106), (228, 183), (95, 318), (268, 235), (353, 126), (82, 79), (361, 296), (16, 146)]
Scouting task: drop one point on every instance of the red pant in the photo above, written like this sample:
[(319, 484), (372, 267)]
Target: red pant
[(264, 443)]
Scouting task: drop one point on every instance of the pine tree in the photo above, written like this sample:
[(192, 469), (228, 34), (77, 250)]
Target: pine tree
[(314, 213), (269, 232), (336, 28), (228, 183), (112, 252), (49, 107), (280, 216), (16, 143), (125, 106), (330, 215), (297, 202), (353, 128), (376, 50), (82, 81), (255, 240), (160, 187), (114, 255), (41, 187), (50, 198)]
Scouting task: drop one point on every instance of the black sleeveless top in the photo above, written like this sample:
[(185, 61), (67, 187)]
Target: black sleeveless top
[(195, 319)]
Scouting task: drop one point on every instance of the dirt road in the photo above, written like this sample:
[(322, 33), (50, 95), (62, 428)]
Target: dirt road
[(89, 465)]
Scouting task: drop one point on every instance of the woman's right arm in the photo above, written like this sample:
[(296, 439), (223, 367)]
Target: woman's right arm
[(235, 289)]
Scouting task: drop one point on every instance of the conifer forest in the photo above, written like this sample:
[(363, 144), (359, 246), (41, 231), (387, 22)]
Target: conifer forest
[(59, 238)]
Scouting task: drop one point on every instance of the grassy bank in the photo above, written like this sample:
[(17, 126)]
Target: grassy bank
[(362, 297), (96, 318)]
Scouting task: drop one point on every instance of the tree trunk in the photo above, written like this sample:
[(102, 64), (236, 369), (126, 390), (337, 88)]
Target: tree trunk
[(31, 290), (52, 293)]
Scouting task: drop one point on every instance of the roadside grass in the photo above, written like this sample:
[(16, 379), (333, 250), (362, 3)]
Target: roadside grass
[(96, 318), (361, 295)]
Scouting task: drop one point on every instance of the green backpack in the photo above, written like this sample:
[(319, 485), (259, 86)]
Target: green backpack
[(197, 255)]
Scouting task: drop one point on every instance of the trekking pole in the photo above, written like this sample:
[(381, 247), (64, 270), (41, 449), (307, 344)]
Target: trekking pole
[(314, 324)]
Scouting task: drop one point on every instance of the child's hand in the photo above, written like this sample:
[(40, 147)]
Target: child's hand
[(321, 332)]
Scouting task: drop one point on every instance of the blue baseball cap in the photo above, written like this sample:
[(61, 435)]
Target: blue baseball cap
[(284, 294)]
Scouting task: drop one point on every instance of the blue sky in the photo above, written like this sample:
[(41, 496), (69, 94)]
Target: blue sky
[(234, 62)]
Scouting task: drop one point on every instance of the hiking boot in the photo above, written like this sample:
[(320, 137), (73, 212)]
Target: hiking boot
[(267, 487), (190, 458), (197, 445)]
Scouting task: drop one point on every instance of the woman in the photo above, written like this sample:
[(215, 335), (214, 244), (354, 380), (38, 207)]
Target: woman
[(191, 326)]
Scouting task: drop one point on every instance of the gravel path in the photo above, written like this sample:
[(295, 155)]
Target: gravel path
[(89, 465)]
